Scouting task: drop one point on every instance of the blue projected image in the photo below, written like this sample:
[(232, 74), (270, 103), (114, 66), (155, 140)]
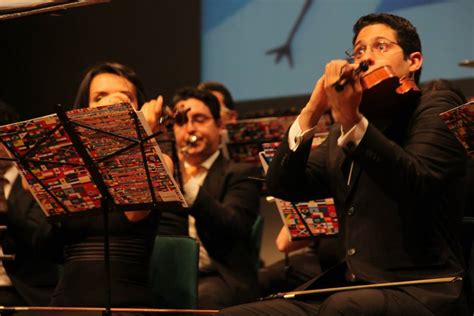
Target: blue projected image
[(277, 48)]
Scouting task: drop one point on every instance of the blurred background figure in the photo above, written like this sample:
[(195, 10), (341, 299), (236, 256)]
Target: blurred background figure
[(29, 279), (228, 113), (223, 204)]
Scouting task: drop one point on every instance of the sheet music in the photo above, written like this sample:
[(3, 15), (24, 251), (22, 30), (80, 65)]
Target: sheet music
[(320, 215), (245, 138), (460, 121), (58, 177)]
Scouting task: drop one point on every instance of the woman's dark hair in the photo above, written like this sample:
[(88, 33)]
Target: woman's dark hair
[(8, 114), (219, 87), (82, 96), (407, 36), (205, 96)]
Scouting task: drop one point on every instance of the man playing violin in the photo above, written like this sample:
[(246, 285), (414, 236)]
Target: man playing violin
[(394, 170)]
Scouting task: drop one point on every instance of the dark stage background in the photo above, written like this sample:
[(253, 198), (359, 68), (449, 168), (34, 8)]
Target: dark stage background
[(43, 57)]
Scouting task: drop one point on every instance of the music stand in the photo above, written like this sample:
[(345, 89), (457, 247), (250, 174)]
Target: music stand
[(460, 120), (87, 151), (303, 220)]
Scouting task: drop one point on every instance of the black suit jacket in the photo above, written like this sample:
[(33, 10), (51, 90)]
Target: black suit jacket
[(225, 209), (400, 215), (33, 276)]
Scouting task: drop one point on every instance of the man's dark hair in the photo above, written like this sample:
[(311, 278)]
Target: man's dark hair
[(219, 87), (407, 36), (82, 97), (205, 96), (8, 114)]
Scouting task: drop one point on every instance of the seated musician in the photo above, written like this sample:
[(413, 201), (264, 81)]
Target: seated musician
[(395, 172), (28, 279), (79, 239), (223, 201)]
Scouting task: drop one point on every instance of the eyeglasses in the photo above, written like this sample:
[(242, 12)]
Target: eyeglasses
[(199, 119), (380, 46)]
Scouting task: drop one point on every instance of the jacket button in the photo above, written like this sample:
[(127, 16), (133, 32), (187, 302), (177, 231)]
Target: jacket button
[(351, 211), (351, 251)]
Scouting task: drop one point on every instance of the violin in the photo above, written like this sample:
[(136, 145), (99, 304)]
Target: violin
[(384, 94), (385, 76), (381, 75)]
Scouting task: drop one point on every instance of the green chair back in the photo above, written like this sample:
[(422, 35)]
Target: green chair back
[(174, 272), (257, 232)]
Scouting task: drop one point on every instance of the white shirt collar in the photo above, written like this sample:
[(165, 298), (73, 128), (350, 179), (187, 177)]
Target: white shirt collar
[(208, 162), (11, 174)]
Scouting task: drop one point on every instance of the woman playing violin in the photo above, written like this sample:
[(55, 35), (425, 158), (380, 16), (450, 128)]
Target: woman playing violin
[(78, 241), (394, 184)]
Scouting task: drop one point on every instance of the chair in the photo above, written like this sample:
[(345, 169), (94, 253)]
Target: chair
[(174, 272), (256, 237)]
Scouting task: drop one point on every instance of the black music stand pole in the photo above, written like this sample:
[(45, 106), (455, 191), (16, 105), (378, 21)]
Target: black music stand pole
[(107, 200)]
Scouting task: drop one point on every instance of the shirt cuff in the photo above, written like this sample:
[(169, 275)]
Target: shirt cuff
[(191, 191), (354, 136), (296, 136)]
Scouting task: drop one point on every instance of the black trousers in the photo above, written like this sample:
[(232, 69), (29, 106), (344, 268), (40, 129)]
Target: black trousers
[(214, 292), (286, 275), (9, 296), (368, 302)]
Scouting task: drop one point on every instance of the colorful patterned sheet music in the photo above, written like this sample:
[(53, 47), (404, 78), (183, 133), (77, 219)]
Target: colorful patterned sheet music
[(460, 121), (245, 137), (53, 160), (319, 215)]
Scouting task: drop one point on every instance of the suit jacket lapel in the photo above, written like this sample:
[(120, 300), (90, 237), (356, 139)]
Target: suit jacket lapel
[(341, 178), (339, 159), (356, 170), (214, 182)]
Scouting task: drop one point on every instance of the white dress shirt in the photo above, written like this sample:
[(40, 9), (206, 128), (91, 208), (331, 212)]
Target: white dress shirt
[(10, 175), (296, 136), (191, 189)]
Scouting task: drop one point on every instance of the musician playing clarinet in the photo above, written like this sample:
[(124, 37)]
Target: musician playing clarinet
[(394, 170), (224, 202)]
